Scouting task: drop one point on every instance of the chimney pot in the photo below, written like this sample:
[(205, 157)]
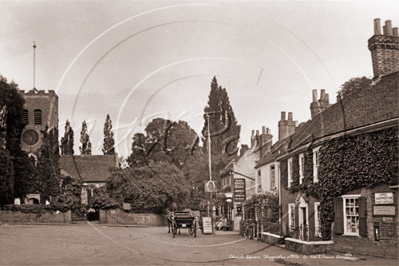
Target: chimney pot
[(322, 94), (377, 26), (327, 98), (282, 116), (253, 132), (257, 132), (384, 29), (296, 123), (395, 32), (388, 23), (263, 130), (290, 116), (314, 93), (267, 130)]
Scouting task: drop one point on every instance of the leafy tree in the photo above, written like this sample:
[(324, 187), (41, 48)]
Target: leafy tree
[(148, 189), (71, 192), (67, 140), (11, 125), (109, 142), (223, 127), (6, 177), (352, 85), (85, 149), (48, 172), (165, 141)]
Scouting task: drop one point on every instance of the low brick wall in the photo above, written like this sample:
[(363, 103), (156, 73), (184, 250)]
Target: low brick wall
[(303, 247), (15, 217), (272, 239), (363, 245), (120, 217)]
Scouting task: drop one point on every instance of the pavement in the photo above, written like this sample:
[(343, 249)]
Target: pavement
[(97, 244)]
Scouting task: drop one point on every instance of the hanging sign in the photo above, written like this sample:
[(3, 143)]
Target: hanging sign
[(384, 198), (239, 190), (207, 225), (210, 186)]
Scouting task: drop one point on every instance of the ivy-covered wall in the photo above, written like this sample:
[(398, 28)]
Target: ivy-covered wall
[(346, 163)]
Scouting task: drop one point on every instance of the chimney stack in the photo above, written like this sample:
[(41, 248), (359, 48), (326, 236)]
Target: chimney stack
[(286, 127), (318, 106), (377, 26), (388, 24), (384, 49)]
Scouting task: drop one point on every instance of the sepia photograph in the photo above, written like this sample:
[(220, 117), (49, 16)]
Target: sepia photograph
[(199, 132)]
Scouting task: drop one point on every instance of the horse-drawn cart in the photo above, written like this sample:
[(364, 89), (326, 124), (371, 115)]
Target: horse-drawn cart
[(184, 220)]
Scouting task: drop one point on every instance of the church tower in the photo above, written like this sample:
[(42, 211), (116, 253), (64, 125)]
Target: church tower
[(40, 110)]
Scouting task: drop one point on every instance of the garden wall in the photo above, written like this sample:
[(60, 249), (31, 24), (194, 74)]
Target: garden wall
[(15, 217), (120, 217)]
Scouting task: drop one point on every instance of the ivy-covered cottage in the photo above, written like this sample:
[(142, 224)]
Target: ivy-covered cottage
[(339, 177), (92, 170)]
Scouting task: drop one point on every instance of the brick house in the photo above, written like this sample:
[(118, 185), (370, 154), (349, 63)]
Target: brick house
[(341, 166)]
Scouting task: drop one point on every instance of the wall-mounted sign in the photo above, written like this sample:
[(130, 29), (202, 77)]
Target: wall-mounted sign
[(207, 225), (384, 198), (387, 231), (239, 190), (384, 210)]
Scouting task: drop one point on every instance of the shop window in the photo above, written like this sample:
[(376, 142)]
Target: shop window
[(37, 115), (301, 168), (350, 215), (289, 172), (316, 164)]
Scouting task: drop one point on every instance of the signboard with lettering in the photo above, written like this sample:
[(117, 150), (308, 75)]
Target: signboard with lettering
[(384, 210), (387, 230), (239, 190), (384, 198), (207, 225)]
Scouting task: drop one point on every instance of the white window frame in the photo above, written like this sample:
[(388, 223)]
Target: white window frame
[(315, 165), (344, 197), (289, 165), (273, 186), (301, 168), (317, 222), (291, 205)]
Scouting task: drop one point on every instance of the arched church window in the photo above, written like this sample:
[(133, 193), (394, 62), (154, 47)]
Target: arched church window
[(37, 116)]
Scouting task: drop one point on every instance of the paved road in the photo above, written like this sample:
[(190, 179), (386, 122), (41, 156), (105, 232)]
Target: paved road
[(94, 244)]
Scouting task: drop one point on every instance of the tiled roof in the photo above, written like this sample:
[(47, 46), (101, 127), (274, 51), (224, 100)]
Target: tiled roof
[(368, 105), (274, 152), (90, 168)]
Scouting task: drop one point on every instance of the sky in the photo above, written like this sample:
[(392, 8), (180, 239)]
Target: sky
[(138, 60)]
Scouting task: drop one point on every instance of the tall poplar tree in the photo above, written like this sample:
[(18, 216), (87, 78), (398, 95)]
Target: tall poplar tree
[(67, 140), (223, 126), (85, 149), (109, 142), (12, 158)]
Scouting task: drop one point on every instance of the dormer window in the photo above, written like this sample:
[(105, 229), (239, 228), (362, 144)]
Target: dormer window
[(37, 115), (25, 117)]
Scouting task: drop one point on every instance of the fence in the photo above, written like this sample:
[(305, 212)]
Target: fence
[(304, 233)]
